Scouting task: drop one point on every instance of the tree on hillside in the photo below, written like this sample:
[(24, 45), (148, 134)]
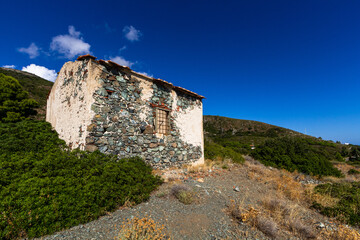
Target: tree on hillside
[(15, 104), (355, 154)]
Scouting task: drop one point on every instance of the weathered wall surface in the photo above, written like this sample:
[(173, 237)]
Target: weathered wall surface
[(188, 117), (113, 110), (70, 99)]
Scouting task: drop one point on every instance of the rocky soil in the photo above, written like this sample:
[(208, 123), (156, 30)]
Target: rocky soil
[(207, 217)]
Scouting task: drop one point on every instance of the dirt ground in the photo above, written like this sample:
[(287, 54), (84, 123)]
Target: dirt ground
[(218, 193)]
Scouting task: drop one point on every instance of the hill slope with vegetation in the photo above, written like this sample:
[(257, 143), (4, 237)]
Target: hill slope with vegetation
[(273, 145), (37, 87), (44, 185)]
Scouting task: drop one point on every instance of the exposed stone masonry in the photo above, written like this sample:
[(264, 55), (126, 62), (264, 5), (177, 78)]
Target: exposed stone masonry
[(117, 127)]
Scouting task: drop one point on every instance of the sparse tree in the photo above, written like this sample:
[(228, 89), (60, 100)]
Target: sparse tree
[(15, 104)]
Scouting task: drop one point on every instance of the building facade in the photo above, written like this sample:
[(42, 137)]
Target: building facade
[(100, 105)]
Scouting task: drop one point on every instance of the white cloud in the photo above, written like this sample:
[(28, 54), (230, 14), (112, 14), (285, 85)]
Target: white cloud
[(121, 61), (146, 74), (9, 66), (41, 71), (32, 50), (70, 45), (131, 33)]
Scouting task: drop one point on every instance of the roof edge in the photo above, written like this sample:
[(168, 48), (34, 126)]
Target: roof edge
[(157, 80)]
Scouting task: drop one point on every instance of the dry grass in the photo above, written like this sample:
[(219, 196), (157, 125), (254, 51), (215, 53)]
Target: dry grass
[(324, 199), (254, 218), (303, 230), (141, 229), (344, 168), (342, 233), (287, 215), (282, 180), (272, 216), (267, 226), (209, 164)]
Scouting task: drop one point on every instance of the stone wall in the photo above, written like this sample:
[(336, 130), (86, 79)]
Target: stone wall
[(116, 114)]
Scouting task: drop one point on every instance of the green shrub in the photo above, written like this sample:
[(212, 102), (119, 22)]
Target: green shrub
[(214, 150), (15, 104), (347, 209), (338, 157), (44, 187), (354, 155), (183, 193), (295, 154), (353, 172)]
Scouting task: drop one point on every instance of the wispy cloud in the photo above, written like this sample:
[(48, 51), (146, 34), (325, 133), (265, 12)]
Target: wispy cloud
[(41, 71), (121, 61), (131, 33), (9, 66), (70, 45), (33, 51), (123, 48), (146, 74)]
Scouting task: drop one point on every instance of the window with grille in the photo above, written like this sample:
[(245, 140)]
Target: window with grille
[(162, 121)]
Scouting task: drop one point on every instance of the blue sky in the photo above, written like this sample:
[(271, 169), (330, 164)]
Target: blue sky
[(295, 64)]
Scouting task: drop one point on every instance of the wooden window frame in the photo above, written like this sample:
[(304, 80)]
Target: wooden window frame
[(159, 129)]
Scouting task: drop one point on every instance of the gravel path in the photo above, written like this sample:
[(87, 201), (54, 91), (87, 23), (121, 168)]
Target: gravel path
[(206, 218)]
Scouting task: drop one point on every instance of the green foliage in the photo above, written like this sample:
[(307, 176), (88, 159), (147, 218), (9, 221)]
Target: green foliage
[(14, 102), (44, 187), (338, 157), (37, 87), (214, 150), (348, 207), (295, 154), (353, 172), (354, 155)]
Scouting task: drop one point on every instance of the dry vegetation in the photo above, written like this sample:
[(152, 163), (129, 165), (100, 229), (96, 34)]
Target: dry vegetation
[(283, 213), (342, 233), (183, 193), (142, 229)]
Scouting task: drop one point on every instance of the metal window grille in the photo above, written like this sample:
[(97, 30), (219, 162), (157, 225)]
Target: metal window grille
[(162, 121)]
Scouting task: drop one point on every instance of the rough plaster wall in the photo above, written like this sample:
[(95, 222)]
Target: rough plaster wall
[(190, 124), (69, 103), (146, 93)]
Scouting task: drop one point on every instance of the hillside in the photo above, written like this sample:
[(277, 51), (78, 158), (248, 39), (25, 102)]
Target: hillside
[(244, 130), (221, 129), (37, 87), (231, 138)]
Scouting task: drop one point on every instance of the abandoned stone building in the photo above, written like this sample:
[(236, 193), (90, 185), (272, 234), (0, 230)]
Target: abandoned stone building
[(100, 105)]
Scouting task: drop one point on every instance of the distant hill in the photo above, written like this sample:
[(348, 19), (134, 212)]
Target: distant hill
[(225, 125), (37, 87), (227, 137), (245, 131)]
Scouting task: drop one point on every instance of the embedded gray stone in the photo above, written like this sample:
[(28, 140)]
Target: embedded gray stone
[(124, 95), (102, 92), (120, 79), (103, 149)]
